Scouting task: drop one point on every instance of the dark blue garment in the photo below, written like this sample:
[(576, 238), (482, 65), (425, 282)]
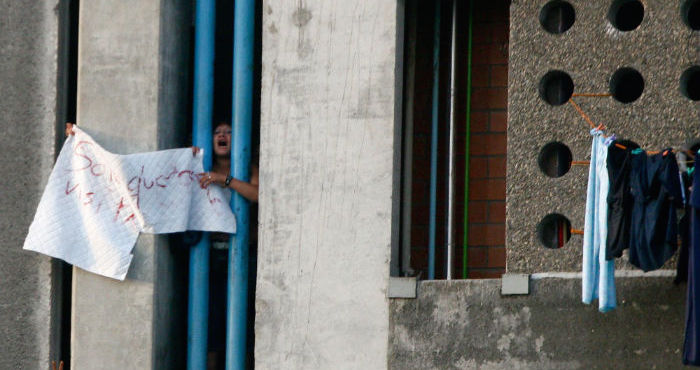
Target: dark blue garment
[(656, 189), (620, 200), (691, 344)]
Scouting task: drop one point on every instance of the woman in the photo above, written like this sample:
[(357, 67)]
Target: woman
[(220, 172)]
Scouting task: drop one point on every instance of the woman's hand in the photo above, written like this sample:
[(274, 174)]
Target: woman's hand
[(69, 129), (195, 150), (207, 178)]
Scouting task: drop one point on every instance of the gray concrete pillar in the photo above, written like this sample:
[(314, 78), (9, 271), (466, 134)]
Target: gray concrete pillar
[(132, 91), (327, 147), (28, 87)]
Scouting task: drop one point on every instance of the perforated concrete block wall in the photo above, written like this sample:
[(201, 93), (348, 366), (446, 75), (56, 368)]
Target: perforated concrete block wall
[(576, 46)]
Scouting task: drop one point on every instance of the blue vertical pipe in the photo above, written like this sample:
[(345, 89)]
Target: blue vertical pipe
[(198, 304), (242, 114), (434, 143)]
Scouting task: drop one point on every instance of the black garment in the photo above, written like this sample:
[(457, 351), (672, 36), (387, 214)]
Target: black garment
[(684, 233), (620, 199), (691, 344), (656, 189)]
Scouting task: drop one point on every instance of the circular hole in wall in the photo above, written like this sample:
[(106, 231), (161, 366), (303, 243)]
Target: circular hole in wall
[(557, 16), (690, 83), (626, 85), (554, 159), (556, 87), (554, 231), (690, 11), (626, 15)]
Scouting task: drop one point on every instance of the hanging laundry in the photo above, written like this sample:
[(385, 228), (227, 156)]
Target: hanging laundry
[(620, 199), (598, 276), (684, 230), (656, 189), (691, 344)]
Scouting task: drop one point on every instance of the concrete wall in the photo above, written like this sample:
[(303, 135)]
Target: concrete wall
[(661, 48), (131, 96), (327, 146), (28, 87), (468, 325)]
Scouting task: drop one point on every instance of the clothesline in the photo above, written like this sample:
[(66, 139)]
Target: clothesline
[(601, 127)]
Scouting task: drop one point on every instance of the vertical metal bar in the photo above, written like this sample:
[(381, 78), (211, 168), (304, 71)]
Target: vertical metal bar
[(409, 89), (434, 143), (198, 305), (467, 141), (242, 106), (451, 145)]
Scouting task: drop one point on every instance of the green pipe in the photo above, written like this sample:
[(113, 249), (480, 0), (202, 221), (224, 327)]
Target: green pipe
[(467, 139)]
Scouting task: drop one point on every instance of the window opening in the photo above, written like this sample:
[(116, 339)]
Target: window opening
[(479, 172), (626, 15), (556, 87), (691, 14), (690, 83), (555, 159), (626, 85), (557, 16), (554, 231)]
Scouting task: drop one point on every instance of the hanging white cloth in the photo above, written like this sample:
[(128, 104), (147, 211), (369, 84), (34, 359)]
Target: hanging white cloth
[(96, 203)]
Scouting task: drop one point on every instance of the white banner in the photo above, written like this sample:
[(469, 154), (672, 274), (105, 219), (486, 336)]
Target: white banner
[(96, 203)]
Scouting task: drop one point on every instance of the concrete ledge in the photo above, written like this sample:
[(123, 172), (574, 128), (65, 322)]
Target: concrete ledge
[(467, 324), (402, 287), (515, 284)]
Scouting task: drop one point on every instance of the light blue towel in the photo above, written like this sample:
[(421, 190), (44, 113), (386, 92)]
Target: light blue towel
[(598, 277)]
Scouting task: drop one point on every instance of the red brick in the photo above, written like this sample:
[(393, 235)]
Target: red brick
[(480, 76), (490, 98), (488, 144), (478, 211), (487, 234), (485, 273), (477, 257), (478, 167), (497, 257), (489, 189), (497, 212), (498, 121), (481, 33), (489, 54), (479, 121), (499, 76), (499, 32), (497, 166)]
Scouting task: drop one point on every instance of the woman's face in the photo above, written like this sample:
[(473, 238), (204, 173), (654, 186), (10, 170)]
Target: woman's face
[(222, 140)]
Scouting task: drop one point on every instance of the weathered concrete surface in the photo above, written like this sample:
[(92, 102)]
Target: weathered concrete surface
[(28, 87), (327, 144), (131, 97), (590, 52), (468, 325)]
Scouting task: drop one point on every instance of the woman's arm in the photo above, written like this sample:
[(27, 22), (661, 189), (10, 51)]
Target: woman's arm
[(248, 190)]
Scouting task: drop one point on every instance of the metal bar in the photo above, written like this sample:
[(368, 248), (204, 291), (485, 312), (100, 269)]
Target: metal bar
[(407, 194), (198, 304), (242, 114), (467, 139), (434, 143), (451, 146)]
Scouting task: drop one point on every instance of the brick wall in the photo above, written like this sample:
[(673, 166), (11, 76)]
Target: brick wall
[(486, 252)]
